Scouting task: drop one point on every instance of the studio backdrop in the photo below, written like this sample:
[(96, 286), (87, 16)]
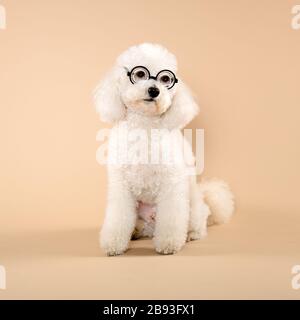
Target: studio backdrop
[(241, 60)]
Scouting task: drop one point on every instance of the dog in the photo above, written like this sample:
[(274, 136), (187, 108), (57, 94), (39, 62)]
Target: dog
[(161, 201)]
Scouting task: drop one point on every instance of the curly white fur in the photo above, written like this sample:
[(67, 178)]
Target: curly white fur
[(183, 208)]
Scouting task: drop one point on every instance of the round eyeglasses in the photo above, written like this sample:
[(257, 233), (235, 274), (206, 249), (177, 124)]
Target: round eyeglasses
[(165, 77)]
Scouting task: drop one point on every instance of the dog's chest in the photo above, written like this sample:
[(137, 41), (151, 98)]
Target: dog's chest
[(144, 181)]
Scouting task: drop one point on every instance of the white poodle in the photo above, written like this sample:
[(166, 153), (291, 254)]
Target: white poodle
[(162, 200)]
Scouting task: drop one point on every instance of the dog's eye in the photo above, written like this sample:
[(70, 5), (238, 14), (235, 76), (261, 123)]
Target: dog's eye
[(138, 74), (165, 79)]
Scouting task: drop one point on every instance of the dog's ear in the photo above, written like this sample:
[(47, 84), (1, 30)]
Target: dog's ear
[(183, 108), (107, 97)]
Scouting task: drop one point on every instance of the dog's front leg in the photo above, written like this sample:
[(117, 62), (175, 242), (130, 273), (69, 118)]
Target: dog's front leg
[(172, 218), (119, 220)]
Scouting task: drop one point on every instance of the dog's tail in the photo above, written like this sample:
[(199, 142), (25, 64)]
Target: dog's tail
[(218, 197)]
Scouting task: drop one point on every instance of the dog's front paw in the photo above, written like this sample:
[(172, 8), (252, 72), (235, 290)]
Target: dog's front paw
[(113, 245), (113, 251), (168, 245), (196, 235)]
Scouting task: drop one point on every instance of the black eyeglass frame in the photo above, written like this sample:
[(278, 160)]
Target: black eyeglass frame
[(129, 73)]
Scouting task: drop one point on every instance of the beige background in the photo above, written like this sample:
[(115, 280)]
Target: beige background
[(241, 58)]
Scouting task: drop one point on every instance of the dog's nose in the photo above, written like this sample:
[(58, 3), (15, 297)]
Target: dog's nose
[(153, 92)]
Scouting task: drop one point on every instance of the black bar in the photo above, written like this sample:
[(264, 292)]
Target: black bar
[(155, 309)]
